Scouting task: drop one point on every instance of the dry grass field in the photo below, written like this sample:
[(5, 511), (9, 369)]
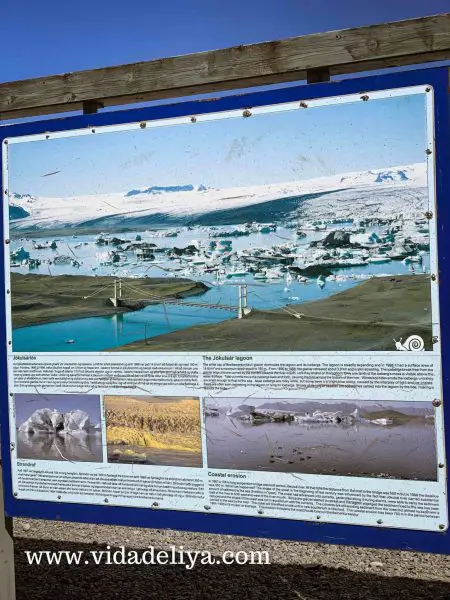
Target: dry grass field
[(153, 422)]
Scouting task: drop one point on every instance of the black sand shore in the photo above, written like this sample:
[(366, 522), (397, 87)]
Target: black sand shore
[(365, 318), (37, 299)]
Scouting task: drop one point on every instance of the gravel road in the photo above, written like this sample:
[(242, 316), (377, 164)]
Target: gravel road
[(296, 571)]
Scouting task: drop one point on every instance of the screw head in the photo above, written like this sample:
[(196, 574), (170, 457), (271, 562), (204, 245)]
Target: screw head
[(59, 497), (143, 125), (434, 339), (207, 507), (380, 522), (12, 445), (365, 98), (7, 241), (260, 512), (93, 130), (106, 501), (428, 89), (441, 465), (193, 119), (246, 113), (303, 105), (441, 526), (155, 504), (428, 215), (433, 277), (15, 494), (428, 151), (436, 402)]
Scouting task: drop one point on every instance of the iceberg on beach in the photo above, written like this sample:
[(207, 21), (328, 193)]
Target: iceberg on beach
[(49, 420)]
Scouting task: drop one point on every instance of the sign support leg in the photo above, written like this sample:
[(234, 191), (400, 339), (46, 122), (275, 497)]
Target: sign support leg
[(7, 582)]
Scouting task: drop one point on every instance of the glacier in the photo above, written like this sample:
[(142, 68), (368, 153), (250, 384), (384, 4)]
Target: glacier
[(375, 193)]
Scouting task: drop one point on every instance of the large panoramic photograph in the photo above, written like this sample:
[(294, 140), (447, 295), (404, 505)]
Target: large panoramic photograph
[(300, 230)]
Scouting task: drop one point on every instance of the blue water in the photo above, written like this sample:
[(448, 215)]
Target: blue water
[(102, 333)]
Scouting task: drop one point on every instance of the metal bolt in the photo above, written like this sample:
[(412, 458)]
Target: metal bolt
[(436, 402), (106, 501), (155, 504), (47, 137), (6, 142), (441, 465), (9, 342), (143, 125), (428, 215), (246, 113), (428, 89), (193, 119), (59, 497), (11, 394), (441, 526), (8, 291), (260, 512), (318, 517), (428, 151), (434, 339), (6, 192), (207, 507), (380, 522), (365, 98), (303, 105), (6, 241), (433, 277), (12, 446), (93, 130), (15, 494)]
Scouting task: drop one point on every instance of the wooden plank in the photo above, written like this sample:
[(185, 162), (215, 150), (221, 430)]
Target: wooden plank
[(346, 51)]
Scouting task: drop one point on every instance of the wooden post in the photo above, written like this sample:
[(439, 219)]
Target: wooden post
[(7, 582)]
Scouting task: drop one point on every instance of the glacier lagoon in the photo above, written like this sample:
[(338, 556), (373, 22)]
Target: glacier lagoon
[(82, 254)]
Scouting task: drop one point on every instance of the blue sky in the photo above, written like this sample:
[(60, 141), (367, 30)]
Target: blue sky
[(50, 36), (287, 146)]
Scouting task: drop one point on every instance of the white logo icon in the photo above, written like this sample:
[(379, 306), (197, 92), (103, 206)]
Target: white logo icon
[(413, 344)]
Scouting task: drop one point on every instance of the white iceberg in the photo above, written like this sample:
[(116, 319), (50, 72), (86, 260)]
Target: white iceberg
[(50, 420)]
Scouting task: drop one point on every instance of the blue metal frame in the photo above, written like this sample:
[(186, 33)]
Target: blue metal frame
[(438, 542)]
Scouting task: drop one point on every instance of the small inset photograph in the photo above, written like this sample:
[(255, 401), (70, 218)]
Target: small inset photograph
[(388, 440), (59, 427), (154, 430)]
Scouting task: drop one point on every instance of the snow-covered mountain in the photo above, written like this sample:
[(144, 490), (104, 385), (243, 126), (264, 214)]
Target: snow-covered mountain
[(373, 193)]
